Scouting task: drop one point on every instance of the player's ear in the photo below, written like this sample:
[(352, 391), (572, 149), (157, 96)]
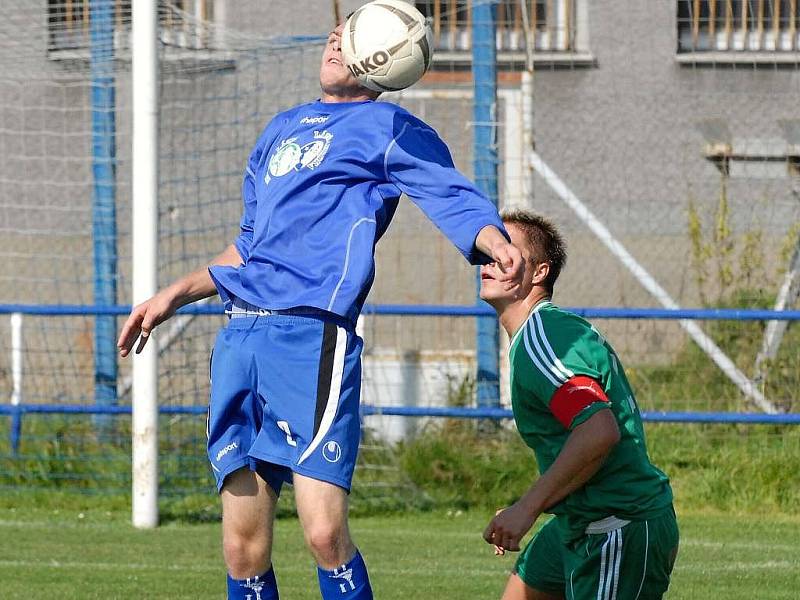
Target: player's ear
[(540, 272)]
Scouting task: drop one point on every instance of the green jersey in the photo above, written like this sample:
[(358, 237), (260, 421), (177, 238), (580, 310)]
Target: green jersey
[(554, 347)]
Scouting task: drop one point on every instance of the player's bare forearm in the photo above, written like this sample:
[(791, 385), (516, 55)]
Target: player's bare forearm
[(582, 456), (154, 311), (198, 284)]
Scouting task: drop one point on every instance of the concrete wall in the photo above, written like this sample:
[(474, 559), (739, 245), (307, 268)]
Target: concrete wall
[(623, 134)]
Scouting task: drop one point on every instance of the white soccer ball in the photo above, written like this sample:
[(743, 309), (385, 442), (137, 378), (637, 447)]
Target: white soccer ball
[(387, 45)]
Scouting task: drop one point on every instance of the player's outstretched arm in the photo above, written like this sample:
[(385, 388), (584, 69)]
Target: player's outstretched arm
[(581, 457), (146, 316), (509, 260)]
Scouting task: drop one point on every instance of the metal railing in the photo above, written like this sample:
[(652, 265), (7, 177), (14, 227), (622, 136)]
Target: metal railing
[(738, 25), (181, 23), (552, 24), (16, 406)]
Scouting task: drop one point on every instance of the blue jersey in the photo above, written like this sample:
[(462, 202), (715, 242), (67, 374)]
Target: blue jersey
[(320, 189)]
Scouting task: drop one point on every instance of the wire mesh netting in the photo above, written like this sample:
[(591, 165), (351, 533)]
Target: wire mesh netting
[(664, 145)]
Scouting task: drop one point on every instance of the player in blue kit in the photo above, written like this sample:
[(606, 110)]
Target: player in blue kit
[(320, 188)]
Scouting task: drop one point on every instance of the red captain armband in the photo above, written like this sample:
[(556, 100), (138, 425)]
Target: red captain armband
[(573, 396)]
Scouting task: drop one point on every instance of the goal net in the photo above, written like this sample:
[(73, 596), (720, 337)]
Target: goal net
[(668, 131), (65, 198)]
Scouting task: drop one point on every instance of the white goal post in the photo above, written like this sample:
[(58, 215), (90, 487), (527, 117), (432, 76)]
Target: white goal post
[(145, 244)]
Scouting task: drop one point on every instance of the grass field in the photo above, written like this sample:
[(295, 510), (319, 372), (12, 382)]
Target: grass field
[(97, 554)]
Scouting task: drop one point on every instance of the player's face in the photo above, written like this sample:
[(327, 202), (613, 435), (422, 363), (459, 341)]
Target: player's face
[(493, 290), (334, 77)]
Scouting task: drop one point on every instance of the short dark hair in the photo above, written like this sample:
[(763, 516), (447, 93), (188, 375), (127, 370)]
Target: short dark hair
[(545, 241)]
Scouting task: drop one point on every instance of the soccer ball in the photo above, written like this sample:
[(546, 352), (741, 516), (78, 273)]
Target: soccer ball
[(387, 45)]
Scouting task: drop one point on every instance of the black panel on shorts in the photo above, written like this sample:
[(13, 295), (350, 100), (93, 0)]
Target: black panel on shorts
[(325, 374)]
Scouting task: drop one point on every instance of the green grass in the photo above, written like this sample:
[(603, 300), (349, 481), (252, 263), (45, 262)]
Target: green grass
[(449, 465), (737, 468), (97, 554)]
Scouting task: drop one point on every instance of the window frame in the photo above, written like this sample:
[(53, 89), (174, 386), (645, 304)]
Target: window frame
[(569, 46), (69, 38), (738, 31)]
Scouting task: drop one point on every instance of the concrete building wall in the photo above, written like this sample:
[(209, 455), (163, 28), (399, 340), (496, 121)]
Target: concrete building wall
[(623, 134)]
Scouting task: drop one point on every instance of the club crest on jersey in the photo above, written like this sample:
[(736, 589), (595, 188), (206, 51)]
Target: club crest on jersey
[(315, 151), (291, 156), (286, 158)]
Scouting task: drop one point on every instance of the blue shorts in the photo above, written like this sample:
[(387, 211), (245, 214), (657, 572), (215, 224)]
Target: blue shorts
[(285, 393)]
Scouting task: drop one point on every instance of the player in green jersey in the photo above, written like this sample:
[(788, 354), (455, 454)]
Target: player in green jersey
[(614, 535)]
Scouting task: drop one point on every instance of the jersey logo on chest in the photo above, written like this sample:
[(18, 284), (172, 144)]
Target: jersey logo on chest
[(293, 155)]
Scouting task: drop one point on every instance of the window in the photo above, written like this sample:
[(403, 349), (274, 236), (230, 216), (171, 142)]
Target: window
[(738, 25), (66, 24), (183, 23), (557, 28)]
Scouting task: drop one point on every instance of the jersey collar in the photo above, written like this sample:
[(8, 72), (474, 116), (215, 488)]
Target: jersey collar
[(536, 308)]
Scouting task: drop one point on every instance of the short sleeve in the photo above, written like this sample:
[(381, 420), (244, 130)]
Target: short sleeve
[(551, 380), (576, 400)]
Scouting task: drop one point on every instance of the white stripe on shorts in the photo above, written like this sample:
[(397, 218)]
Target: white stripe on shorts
[(617, 562), (333, 395), (610, 561), (610, 558), (644, 569), (603, 558)]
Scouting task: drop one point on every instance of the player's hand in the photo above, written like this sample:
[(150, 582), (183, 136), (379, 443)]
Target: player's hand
[(510, 265), (498, 550), (508, 528), (143, 319)]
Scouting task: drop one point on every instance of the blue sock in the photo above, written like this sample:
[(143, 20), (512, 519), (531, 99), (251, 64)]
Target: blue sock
[(348, 582), (260, 587)]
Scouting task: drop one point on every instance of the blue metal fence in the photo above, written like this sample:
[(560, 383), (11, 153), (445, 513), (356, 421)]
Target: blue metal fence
[(437, 310), (16, 412)]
